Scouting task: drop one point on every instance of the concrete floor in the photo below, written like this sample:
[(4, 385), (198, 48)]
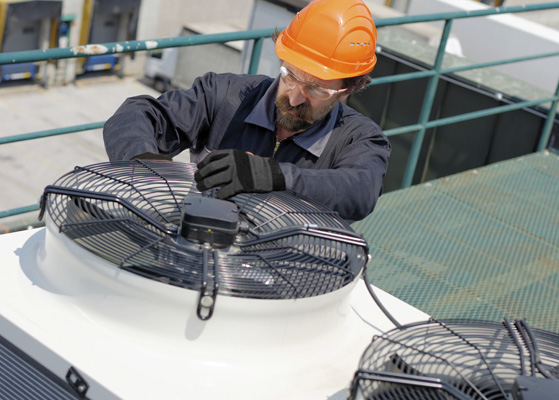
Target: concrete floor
[(27, 167), (549, 18)]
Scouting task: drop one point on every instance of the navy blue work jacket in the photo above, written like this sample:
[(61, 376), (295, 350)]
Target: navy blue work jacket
[(340, 162)]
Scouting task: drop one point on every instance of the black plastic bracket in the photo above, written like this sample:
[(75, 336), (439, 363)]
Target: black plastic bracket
[(208, 293), (77, 383)]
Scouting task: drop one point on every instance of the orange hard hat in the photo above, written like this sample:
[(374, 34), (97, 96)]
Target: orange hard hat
[(330, 39)]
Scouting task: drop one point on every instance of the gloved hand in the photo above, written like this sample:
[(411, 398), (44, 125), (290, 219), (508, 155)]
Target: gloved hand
[(238, 172)]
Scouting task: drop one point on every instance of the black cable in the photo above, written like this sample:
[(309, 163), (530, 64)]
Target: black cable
[(533, 347), (377, 300), (514, 338), (528, 343)]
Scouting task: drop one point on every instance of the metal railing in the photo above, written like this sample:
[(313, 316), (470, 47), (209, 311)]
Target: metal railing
[(258, 36)]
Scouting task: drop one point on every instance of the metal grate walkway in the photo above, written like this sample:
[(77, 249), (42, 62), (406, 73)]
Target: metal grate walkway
[(481, 244)]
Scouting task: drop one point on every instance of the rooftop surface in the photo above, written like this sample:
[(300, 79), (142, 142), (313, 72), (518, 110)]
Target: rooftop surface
[(27, 167), (480, 244)]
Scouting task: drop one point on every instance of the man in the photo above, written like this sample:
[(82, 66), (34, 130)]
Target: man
[(258, 134)]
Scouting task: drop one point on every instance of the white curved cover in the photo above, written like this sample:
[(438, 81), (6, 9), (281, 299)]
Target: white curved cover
[(135, 338)]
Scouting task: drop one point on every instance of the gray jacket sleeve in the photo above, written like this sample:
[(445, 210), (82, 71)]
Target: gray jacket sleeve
[(168, 125), (351, 181)]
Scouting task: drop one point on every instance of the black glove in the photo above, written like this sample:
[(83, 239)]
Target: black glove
[(238, 172)]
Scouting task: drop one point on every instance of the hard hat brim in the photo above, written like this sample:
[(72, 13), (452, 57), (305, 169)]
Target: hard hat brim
[(309, 65)]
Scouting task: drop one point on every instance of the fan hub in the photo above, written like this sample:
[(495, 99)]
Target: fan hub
[(209, 220)]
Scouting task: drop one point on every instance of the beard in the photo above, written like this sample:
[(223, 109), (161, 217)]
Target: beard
[(301, 117)]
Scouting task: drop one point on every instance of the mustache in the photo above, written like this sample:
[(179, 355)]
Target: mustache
[(300, 119), (302, 111)]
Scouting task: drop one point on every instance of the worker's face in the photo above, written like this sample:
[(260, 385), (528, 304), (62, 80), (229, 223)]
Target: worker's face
[(295, 111)]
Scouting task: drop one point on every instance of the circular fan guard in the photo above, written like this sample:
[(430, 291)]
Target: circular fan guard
[(129, 213), (456, 359)]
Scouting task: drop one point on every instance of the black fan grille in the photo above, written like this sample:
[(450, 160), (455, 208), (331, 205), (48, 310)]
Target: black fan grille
[(129, 213), (455, 359)]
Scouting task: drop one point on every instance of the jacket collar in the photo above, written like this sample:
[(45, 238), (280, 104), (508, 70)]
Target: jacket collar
[(313, 139)]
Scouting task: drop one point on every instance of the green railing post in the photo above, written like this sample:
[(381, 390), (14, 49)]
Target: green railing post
[(426, 107), (19, 210), (130, 46), (546, 131), (51, 132), (255, 56)]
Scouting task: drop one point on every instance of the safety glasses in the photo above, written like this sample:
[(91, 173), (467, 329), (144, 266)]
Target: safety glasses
[(309, 89)]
